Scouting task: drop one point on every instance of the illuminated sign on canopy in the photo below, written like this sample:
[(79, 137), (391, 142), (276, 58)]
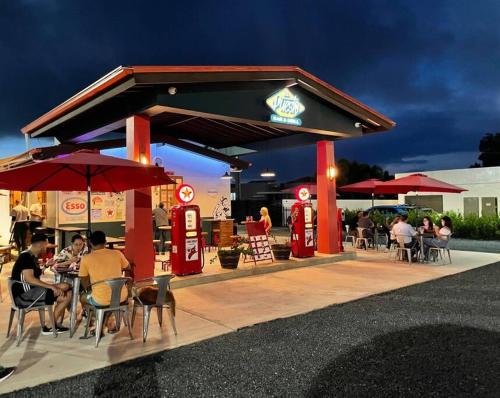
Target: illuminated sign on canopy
[(286, 107)]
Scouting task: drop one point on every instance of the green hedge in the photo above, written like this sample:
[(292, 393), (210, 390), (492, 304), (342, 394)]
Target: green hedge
[(469, 227)]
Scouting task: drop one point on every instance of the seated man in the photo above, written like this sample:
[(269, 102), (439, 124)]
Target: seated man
[(27, 270), (367, 224), (99, 265), (402, 228)]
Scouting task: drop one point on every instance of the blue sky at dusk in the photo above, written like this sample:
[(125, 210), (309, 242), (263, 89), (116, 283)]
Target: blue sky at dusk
[(429, 65)]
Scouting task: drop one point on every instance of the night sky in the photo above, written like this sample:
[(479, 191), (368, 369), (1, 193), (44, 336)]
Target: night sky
[(432, 66)]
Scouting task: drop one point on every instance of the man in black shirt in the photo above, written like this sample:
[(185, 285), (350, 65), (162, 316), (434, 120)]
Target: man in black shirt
[(27, 271)]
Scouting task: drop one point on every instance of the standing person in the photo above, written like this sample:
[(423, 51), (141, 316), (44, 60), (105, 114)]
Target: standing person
[(442, 236), (266, 219), (160, 218), (36, 216), (19, 215), (100, 265), (27, 271)]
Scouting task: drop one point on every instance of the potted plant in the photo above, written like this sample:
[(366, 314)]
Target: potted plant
[(281, 251), (230, 257)]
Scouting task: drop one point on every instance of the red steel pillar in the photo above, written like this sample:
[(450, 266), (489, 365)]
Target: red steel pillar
[(328, 235), (139, 225)]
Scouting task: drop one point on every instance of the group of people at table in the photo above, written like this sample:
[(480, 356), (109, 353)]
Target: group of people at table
[(436, 236), (92, 263)]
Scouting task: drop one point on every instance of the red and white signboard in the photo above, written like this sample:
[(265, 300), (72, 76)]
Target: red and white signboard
[(259, 241), (302, 193), (184, 193)]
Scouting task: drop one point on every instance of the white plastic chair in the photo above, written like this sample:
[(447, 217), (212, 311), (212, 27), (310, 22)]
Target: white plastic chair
[(36, 305), (441, 252), (348, 237), (360, 239), (401, 249)]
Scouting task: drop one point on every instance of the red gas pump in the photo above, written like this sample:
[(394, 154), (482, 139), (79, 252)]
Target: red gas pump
[(302, 224), (187, 249), (340, 226)]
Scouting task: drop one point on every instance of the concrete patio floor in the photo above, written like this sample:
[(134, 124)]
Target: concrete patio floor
[(214, 309)]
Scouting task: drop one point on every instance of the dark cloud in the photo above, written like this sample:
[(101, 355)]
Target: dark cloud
[(430, 65)]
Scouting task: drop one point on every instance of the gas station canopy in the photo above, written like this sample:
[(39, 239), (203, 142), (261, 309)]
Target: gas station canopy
[(217, 111)]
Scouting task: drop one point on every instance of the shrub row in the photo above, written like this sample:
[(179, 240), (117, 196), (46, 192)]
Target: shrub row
[(465, 227)]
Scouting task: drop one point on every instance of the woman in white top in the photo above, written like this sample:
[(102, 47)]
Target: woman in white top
[(442, 236)]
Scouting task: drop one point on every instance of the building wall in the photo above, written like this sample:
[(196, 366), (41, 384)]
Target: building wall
[(4, 217), (480, 182), (201, 172)]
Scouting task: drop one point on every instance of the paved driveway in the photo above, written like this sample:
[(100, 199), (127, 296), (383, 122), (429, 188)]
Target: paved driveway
[(440, 338)]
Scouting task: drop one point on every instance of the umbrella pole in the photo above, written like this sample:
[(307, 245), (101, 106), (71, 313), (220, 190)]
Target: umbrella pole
[(373, 199)]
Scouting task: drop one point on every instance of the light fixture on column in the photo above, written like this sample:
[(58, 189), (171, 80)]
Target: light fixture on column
[(267, 173), (331, 172), (226, 176), (143, 159), (235, 170)]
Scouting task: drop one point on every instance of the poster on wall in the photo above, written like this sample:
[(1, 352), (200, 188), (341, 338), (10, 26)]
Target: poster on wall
[(106, 207)]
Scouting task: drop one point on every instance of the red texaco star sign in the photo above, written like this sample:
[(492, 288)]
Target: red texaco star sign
[(302, 193), (184, 193)]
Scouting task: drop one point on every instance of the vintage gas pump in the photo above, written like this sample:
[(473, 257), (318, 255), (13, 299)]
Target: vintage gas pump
[(187, 250), (340, 226), (302, 224)]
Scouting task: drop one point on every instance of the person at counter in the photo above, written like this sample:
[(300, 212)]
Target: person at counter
[(70, 256), (36, 216), (266, 219), (32, 289), (19, 215), (160, 219)]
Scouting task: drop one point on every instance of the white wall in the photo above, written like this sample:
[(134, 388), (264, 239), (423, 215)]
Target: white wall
[(479, 182), (199, 171), (4, 218)]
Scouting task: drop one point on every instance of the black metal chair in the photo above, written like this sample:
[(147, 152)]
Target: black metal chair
[(36, 305), (115, 306), (162, 282)]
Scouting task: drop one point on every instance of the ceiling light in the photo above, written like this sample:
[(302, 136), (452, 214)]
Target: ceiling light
[(267, 173)]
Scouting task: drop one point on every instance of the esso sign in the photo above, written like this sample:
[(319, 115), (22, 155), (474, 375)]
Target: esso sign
[(302, 193), (74, 206), (184, 193)]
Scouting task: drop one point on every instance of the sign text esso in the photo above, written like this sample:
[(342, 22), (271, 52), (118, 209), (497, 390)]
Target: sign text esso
[(74, 206)]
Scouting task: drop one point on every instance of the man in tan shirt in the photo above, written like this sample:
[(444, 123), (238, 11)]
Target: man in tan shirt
[(99, 265)]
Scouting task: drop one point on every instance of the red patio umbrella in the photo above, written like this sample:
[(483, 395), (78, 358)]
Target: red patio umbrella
[(367, 186), (83, 171), (417, 183)]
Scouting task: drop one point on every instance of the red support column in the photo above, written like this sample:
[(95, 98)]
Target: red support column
[(328, 239), (139, 225)]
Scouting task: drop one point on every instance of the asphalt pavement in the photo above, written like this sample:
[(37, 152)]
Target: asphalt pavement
[(437, 339)]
